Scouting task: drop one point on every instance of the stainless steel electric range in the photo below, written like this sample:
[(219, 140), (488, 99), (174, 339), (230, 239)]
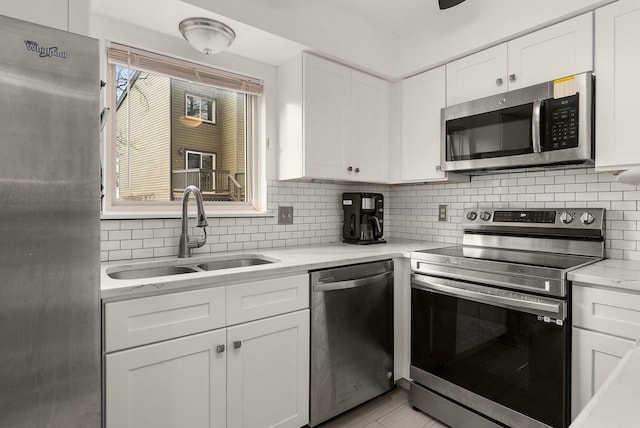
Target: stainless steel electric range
[(491, 319)]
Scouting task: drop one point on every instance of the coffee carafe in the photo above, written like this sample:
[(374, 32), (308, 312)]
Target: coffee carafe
[(363, 218)]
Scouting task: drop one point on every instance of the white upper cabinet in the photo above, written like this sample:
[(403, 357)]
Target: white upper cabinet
[(334, 122), (478, 75), (557, 51), (423, 96), (553, 52), (326, 118), (616, 67), (369, 147), (66, 15)]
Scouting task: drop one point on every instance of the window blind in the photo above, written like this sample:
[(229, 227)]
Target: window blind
[(180, 69)]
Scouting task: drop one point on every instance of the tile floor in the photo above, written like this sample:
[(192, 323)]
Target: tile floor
[(391, 410)]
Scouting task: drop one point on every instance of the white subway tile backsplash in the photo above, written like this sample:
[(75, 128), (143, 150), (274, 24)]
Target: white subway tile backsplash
[(411, 213), (559, 189)]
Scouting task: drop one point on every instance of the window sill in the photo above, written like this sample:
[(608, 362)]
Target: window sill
[(125, 215)]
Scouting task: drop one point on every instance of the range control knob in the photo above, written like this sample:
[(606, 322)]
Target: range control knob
[(566, 218), (587, 218), (472, 215), (486, 216)]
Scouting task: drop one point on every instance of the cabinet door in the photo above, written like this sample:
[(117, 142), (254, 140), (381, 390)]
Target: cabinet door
[(557, 51), (368, 149), (594, 356), (326, 118), (478, 75), (617, 90), (268, 372), (423, 96), (173, 384)]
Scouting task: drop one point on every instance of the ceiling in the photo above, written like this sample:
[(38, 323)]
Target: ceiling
[(388, 38), (386, 18), (397, 16), (250, 42)]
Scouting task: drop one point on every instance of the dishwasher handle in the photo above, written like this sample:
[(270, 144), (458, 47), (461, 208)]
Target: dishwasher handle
[(353, 283)]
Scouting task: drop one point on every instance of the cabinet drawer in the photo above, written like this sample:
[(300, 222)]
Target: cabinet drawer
[(151, 319), (261, 299), (607, 311)]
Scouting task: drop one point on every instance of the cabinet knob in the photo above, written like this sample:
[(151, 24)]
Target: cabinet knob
[(220, 349), (499, 81), (512, 77), (357, 170), (349, 168), (237, 344)]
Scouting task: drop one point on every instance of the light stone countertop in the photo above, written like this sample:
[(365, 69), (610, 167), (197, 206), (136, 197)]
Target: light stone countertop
[(620, 274), (292, 261)]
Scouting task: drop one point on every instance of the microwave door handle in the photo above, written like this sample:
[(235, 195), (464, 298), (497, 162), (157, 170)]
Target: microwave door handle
[(535, 126)]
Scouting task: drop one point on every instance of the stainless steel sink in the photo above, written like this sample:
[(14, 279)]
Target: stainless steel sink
[(189, 266), (234, 263), (151, 272)]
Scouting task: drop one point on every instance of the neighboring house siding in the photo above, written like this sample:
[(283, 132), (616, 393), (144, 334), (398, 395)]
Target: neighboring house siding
[(149, 140), (205, 137), (233, 131), (225, 138)]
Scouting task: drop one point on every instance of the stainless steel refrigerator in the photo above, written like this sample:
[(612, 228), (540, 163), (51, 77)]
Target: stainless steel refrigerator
[(49, 228)]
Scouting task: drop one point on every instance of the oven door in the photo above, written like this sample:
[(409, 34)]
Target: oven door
[(504, 354)]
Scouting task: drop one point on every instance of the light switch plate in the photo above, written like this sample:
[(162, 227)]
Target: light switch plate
[(442, 213), (285, 215)]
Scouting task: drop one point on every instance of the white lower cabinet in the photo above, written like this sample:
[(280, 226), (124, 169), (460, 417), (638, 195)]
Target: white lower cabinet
[(268, 372), (251, 373), (595, 355), (176, 383), (606, 324)]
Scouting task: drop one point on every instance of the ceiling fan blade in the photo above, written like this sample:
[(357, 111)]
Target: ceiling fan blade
[(446, 4)]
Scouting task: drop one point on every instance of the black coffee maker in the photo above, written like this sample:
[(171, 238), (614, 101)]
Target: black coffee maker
[(363, 216)]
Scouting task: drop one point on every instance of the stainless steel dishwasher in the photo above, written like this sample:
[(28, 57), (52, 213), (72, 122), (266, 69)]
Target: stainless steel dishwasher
[(351, 337)]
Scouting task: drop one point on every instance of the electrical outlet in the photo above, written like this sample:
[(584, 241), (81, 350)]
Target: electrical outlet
[(442, 213), (285, 215)]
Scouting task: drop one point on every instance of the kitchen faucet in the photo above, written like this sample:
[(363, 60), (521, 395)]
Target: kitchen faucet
[(187, 244)]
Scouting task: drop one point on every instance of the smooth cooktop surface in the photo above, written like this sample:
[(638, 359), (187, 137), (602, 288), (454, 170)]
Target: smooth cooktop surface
[(530, 258)]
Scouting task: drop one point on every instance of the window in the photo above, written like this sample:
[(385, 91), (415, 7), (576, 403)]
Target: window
[(176, 124), (200, 108), (200, 160)]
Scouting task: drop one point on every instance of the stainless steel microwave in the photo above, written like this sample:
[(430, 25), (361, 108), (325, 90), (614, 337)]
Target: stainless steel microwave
[(546, 124)]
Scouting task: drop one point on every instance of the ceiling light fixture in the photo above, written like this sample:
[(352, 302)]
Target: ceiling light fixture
[(446, 4), (207, 35)]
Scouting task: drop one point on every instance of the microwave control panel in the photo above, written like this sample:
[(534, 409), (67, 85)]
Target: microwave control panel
[(562, 116)]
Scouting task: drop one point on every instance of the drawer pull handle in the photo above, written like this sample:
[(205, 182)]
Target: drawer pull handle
[(220, 349), (237, 344)]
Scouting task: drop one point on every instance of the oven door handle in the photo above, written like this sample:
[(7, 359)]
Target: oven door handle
[(497, 297)]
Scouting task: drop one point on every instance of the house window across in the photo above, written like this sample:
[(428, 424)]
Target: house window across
[(199, 108), (176, 124)]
